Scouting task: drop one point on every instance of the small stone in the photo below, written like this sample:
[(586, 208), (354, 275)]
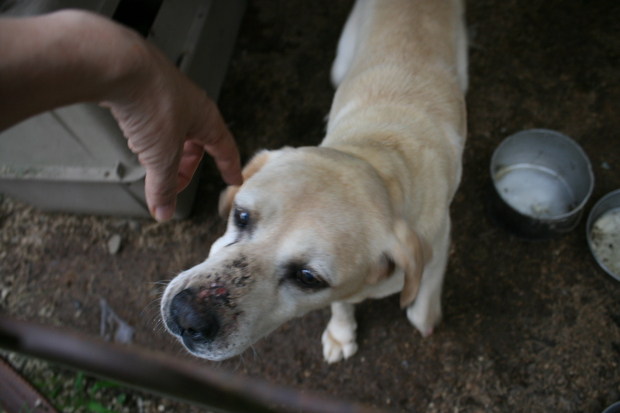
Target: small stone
[(4, 293), (114, 244), (134, 225)]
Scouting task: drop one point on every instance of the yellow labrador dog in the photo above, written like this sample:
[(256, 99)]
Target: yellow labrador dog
[(364, 215)]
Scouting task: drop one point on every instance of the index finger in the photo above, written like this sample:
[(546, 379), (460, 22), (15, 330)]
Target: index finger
[(218, 142), (226, 155)]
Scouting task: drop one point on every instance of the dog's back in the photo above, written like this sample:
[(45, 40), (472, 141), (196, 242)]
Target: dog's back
[(401, 72), (418, 48)]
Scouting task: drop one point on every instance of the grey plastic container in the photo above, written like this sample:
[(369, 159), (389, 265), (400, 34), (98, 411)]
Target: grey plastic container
[(541, 180), (75, 159)]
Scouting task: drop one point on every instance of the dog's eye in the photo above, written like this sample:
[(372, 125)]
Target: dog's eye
[(306, 279), (242, 218)]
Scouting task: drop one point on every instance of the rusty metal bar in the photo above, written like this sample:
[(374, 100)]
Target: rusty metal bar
[(159, 373), (18, 395)]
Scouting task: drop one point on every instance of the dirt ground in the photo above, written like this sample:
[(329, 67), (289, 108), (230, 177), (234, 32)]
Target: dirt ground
[(528, 326)]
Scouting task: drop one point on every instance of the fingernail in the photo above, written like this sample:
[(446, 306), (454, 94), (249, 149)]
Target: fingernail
[(164, 213)]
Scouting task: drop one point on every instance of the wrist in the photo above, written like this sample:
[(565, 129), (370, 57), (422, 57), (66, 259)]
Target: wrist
[(107, 57)]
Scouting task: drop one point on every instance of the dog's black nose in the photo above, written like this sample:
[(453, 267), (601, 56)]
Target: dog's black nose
[(193, 319)]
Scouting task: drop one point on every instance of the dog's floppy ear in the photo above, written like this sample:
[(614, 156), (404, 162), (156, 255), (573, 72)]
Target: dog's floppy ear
[(384, 267), (227, 196), (410, 253)]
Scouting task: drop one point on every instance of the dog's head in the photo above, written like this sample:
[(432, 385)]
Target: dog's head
[(308, 227)]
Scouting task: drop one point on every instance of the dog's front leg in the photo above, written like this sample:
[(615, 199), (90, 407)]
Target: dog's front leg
[(425, 312), (339, 336)]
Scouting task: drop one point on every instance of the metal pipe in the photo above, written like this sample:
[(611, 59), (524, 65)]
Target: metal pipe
[(159, 373)]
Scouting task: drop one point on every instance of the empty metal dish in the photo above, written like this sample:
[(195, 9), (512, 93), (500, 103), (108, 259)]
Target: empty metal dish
[(541, 180)]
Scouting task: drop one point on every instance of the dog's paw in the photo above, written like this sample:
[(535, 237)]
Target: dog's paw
[(335, 350)]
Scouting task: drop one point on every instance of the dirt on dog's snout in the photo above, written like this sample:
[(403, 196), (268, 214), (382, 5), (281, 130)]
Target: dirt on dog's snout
[(527, 326), (203, 307)]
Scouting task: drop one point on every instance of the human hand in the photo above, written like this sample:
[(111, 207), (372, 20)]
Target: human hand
[(169, 123), (73, 56)]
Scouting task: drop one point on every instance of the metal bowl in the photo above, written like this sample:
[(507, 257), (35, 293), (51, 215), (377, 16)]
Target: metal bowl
[(614, 408), (603, 233), (541, 181)]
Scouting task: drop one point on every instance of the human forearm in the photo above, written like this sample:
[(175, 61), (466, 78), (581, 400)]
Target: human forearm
[(62, 58)]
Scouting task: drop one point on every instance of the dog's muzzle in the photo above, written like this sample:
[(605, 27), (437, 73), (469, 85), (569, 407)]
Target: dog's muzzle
[(193, 318)]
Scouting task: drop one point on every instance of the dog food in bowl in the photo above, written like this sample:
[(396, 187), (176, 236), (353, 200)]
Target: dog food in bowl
[(604, 233)]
